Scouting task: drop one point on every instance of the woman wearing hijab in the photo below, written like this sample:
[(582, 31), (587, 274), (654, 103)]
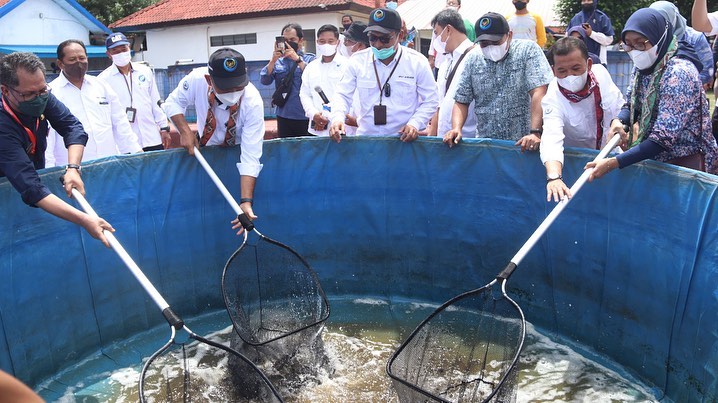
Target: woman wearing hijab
[(689, 35), (667, 113)]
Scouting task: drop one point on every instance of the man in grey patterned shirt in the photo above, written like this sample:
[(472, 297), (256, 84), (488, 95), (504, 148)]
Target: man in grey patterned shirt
[(507, 81)]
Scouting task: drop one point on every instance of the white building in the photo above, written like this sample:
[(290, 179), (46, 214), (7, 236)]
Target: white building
[(38, 26), (188, 31)]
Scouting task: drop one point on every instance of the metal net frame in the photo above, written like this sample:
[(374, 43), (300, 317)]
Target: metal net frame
[(465, 351)]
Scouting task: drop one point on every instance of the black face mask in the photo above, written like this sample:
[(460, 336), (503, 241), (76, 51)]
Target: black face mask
[(294, 46), (76, 70), (520, 5), (346, 26), (587, 7)]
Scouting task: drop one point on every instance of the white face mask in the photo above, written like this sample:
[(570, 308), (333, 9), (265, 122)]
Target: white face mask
[(326, 50), (229, 98), (439, 45), (122, 59), (573, 83), (644, 59), (496, 52), (452, 8)]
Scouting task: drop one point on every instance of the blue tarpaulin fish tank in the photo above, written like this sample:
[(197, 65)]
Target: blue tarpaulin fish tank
[(629, 271)]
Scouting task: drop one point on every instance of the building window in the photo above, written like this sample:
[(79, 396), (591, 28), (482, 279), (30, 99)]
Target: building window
[(229, 40)]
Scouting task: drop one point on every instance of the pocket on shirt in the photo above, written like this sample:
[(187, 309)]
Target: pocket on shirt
[(404, 89), (368, 90)]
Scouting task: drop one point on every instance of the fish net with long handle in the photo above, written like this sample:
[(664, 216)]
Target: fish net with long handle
[(467, 349), (187, 372), (272, 295)]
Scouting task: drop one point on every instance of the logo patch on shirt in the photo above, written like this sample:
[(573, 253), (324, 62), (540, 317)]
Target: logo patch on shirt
[(185, 85), (142, 78)]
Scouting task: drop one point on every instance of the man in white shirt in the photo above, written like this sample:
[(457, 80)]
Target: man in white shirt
[(397, 90), (229, 112), (94, 103), (137, 91), (450, 37), (322, 74), (578, 108)]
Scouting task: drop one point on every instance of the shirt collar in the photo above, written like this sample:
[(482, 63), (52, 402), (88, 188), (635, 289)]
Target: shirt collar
[(461, 48)]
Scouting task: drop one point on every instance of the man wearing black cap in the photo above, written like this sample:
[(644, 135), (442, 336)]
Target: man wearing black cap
[(355, 39), (137, 91), (230, 111), (507, 80), (395, 85)]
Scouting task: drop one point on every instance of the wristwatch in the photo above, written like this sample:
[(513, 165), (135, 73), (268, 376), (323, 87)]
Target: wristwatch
[(539, 132), (552, 177), (73, 166)]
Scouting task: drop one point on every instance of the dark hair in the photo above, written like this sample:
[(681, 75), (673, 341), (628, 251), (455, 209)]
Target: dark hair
[(328, 28), (294, 26), (11, 63), (350, 17), (566, 45), (449, 17), (61, 47)]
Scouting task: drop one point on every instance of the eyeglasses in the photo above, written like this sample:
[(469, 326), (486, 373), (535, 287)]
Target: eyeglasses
[(384, 39), (31, 95), (638, 46)]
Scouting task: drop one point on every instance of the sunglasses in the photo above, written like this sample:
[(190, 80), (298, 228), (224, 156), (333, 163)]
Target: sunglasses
[(384, 39)]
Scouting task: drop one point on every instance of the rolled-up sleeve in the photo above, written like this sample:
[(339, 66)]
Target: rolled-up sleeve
[(19, 169), (179, 99), (552, 138), (252, 138), (266, 78)]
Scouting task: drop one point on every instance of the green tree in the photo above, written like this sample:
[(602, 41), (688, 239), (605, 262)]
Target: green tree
[(619, 10), (109, 11)]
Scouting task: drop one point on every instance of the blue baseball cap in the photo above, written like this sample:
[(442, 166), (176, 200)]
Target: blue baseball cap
[(115, 40)]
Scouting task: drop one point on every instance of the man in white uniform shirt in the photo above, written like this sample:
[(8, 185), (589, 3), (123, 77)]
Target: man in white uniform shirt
[(397, 90), (136, 88), (450, 37), (578, 108), (92, 102), (229, 112), (322, 73)]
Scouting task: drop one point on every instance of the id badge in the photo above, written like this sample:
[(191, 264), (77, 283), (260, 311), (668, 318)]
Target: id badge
[(131, 112), (379, 115)]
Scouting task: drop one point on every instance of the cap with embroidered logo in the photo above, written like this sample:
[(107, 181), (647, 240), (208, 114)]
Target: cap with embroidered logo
[(384, 20), (115, 40), (227, 69), (491, 27)]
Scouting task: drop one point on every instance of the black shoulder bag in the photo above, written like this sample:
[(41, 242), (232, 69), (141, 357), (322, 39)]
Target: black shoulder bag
[(281, 94)]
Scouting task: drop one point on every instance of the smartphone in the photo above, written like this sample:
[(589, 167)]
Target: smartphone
[(280, 42)]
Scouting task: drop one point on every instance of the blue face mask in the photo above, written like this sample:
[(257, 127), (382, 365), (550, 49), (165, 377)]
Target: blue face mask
[(392, 5), (385, 53)]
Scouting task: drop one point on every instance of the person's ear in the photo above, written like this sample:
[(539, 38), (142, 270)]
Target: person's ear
[(209, 79), (590, 63)]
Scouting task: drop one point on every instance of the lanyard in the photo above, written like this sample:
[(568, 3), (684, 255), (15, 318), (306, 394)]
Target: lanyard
[(376, 74), (30, 134), (129, 85), (453, 71)]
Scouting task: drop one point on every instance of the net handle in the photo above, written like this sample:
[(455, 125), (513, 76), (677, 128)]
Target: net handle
[(538, 233), (243, 219), (173, 319)]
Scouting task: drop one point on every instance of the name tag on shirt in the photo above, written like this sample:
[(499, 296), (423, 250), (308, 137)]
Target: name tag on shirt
[(131, 113)]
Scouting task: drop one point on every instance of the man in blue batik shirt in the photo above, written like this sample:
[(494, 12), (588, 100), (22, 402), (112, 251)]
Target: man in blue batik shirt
[(291, 119), (598, 28), (26, 108)]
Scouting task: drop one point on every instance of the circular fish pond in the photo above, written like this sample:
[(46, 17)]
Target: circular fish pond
[(619, 293)]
